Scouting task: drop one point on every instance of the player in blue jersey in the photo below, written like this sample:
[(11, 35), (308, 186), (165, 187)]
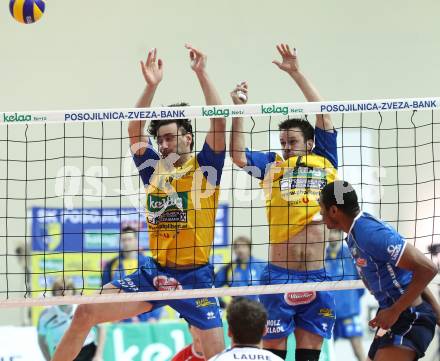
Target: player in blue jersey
[(339, 265), (245, 270), (393, 270)]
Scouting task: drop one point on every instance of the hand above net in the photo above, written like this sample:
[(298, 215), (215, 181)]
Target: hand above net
[(152, 69), (290, 60), (239, 94), (198, 59)]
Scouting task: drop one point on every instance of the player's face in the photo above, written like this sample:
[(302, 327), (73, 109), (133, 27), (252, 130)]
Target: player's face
[(129, 242), (242, 251), (329, 216), (171, 140), (293, 143)]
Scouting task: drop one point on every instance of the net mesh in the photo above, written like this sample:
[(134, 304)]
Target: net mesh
[(69, 187)]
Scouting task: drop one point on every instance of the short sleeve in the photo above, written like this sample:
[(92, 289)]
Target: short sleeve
[(326, 145), (211, 163), (257, 162), (386, 245), (146, 163)]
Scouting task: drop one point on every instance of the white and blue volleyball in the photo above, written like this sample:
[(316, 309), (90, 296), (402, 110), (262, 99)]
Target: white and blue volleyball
[(27, 11)]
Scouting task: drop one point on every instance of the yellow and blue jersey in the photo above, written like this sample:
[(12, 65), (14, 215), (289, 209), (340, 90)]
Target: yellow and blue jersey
[(119, 267), (181, 205), (293, 186)]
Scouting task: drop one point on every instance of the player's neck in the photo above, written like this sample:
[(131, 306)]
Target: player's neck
[(241, 345), (183, 158)]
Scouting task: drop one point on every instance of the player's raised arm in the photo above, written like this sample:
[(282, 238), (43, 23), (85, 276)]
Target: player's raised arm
[(152, 70), (216, 135), (237, 140), (290, 65)]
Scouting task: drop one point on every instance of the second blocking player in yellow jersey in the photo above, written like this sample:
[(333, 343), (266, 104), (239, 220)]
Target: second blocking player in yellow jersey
[(292, 184), (182, 197)]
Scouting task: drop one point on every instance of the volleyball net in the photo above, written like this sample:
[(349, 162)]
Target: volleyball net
[(70, 191)]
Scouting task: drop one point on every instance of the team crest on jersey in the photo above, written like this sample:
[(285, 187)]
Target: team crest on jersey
[(164, 283), (299, 298)]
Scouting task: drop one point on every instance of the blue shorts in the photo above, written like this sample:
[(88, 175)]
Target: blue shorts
[(348, 327), (414, 329), (311, 311), (203, 313)]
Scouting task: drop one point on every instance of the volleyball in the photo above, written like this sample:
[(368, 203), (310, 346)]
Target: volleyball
[(27, 11)]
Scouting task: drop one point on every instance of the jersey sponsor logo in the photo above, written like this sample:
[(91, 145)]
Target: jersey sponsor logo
[(165, 283), (299, 298), (204, 302), (326, 312), (394, 251), (171, 208)]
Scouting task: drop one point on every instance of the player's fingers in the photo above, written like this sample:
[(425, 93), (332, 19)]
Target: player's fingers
[(148, 61), (280, 50), (283, 48), (153, 57), (289, 51), (160, 63), (277, 63)]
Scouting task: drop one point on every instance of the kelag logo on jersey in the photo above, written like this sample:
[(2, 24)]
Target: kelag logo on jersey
[(168, 208), (303, 184)]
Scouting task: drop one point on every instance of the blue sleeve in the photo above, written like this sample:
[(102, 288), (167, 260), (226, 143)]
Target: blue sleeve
[(258, 160), (146, 163), (221, 277), (385, 245), (211, 164), (326, 145)]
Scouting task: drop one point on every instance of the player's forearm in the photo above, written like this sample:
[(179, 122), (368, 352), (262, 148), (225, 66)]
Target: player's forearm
[(136, 128), (236, 143), (211, 95), (323, 121), (421, 278)]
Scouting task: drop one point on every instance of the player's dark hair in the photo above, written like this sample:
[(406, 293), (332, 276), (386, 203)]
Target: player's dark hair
[(246, 320), (342, 195), (128, 229), (304, 126), (184, 124)]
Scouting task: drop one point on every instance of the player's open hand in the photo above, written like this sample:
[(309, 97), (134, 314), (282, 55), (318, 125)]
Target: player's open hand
[(152, 69), (385, 318), (198, 59), (290, 61), (239, 94)]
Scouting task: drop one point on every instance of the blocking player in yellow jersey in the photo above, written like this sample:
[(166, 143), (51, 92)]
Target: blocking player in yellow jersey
[(292, 183), (182, 192)]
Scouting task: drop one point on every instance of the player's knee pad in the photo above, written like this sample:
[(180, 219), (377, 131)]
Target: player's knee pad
[(303, 354), (279, 353)]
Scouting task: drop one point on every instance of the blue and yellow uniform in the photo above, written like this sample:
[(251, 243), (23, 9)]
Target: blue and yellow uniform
[(377, 248), (180, 211), (240, 274), (339, 266), (118, 268), (292, 188)]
